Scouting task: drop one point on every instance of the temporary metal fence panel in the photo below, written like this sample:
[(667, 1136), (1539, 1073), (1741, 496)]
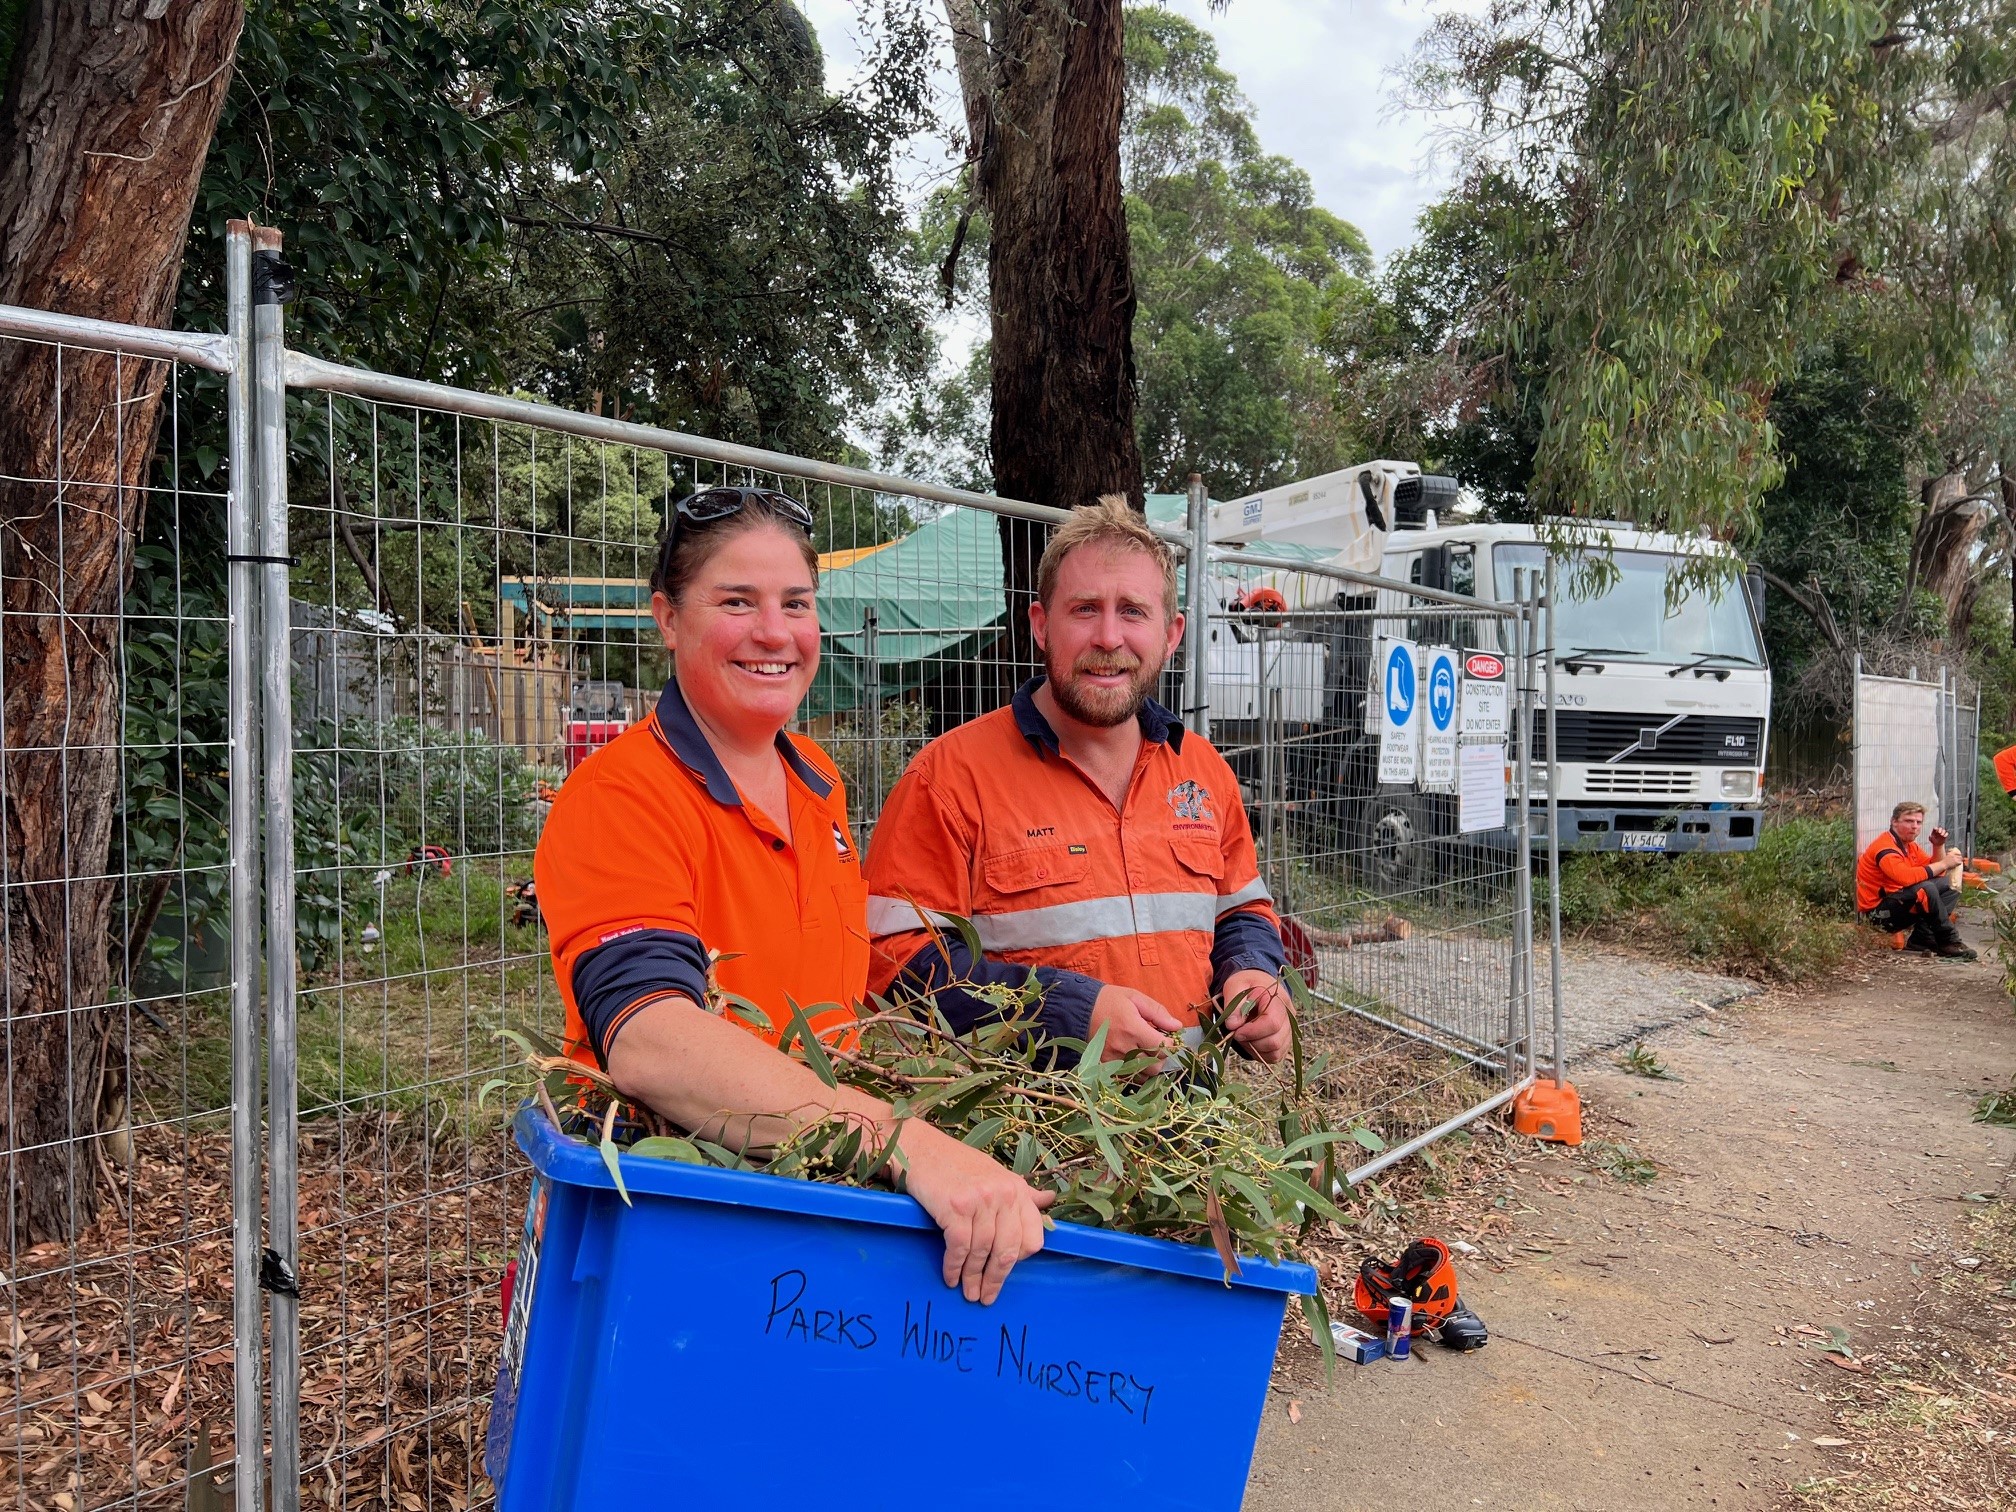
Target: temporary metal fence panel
[(1917, 739), (129, 1301), (350, 685), (1414, 932)]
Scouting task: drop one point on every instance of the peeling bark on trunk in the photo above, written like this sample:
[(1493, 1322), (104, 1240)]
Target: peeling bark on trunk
[(1043, 83), (1942, 550), (103, 130)]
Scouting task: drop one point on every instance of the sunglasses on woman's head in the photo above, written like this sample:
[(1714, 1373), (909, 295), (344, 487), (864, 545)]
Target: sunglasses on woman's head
[(711, 504)]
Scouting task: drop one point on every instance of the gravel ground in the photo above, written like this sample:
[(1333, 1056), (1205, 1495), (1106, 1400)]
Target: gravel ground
[(1610, 999), (1455, 982)]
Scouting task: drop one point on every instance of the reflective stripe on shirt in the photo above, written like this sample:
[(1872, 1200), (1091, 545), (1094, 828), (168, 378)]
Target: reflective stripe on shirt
[(1079, 922)]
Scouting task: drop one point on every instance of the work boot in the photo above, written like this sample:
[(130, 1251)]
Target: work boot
[(1953, 950)]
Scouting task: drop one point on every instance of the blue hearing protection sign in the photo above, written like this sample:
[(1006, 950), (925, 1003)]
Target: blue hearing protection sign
[(1442, 689), (1438, 736), (1399, 723)]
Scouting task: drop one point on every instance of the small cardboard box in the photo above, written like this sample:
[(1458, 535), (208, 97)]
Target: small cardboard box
[(1355, 1345)]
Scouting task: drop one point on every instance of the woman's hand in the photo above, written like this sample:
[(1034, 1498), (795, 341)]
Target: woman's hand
[(991, 1217)]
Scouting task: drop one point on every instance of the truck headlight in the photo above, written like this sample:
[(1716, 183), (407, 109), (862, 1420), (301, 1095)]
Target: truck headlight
[(1739, 784)]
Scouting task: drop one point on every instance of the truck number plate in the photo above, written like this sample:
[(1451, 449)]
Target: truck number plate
[(1641, 840)]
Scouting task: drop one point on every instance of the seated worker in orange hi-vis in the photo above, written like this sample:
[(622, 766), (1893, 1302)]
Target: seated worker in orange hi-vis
[(706, 828), (1901, 885), (1084, 832)]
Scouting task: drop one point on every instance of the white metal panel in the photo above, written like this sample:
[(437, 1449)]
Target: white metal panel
[(1896, 752)]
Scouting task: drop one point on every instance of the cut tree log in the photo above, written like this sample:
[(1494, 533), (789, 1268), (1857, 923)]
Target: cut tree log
[(1393, 927)]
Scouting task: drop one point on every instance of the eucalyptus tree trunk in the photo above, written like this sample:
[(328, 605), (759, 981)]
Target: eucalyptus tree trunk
[(106, 119), (1943, 547), (1043, 84)]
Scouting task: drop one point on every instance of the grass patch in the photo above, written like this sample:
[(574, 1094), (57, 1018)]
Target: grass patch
[(1784, 911), (404, 1031), (2005, 944)]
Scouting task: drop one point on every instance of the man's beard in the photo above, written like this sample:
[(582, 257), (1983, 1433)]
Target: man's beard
[(1101, 708)]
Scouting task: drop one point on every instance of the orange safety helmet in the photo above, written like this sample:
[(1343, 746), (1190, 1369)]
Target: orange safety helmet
[(1425, 1275)]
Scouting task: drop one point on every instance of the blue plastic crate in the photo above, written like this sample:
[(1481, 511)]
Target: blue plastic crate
[(734, 1338)]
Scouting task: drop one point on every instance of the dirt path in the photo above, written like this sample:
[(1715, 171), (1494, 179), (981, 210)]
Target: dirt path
[(1813, 1169)]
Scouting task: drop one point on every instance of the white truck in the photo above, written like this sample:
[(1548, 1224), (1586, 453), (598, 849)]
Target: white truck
[(1661, 714)]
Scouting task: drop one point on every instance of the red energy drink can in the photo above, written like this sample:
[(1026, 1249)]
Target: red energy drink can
[(1399, 1327)]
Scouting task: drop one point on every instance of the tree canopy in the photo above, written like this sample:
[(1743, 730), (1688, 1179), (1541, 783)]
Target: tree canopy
[(663, 213), (1239, 274), (1708, 186)]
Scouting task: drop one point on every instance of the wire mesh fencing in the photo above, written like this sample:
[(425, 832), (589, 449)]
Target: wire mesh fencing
[(1404, 902), (347, 687), (125, 959)]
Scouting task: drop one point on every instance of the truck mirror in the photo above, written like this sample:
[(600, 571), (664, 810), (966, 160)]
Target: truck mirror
[(1754, 581), (1434, 568)]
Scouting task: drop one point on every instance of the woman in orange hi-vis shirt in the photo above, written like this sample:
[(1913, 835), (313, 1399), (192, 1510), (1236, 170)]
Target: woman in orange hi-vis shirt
[(706, 829)]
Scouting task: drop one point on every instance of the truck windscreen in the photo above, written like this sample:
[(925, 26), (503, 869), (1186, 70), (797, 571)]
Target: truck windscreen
[(1632, 619)]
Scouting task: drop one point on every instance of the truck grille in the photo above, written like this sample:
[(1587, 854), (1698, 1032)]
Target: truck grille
[(1639, 782), (1698, 740)]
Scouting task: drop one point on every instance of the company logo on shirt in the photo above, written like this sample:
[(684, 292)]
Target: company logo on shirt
[(1190, 801)]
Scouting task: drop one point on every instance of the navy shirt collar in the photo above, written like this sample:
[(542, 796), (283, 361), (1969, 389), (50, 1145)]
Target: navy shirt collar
[(682, 735), (1157, 723)]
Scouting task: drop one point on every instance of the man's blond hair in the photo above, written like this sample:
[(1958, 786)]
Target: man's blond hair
[(1906, 807), (1110, 522)]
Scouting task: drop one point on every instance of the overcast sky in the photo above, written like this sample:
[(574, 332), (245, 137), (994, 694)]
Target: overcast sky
[(1319, 74)]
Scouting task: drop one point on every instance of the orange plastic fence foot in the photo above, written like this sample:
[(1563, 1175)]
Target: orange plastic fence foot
[(1550, 1111)]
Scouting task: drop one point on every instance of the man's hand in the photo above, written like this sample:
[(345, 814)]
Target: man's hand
[(1257, 1008), (991, 1217), (1939, 837), (1134, 1022)]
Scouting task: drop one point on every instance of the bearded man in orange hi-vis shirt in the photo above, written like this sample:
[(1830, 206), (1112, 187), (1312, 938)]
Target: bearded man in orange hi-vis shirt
[(1089, 837)]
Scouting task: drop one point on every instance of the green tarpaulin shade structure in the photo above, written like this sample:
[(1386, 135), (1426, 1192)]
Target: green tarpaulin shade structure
[(937, 600), (935, 595)]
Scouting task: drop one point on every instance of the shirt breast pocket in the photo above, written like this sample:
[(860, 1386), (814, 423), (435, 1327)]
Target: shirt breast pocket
[(1037, 899), (1200, 860), (1012, 875)]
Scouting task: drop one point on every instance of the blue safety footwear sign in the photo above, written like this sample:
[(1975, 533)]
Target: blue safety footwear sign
[(1399, 724)]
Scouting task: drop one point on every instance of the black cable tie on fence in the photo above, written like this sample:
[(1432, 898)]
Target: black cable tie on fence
[(276, 1276), (272, 279), (253, 556)]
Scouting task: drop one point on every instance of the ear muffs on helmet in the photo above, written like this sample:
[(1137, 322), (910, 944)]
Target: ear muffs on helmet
[(1424, 1274)]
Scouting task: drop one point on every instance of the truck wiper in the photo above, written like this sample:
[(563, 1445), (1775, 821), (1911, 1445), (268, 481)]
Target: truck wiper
[(1700, 668), (1577, 661)]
